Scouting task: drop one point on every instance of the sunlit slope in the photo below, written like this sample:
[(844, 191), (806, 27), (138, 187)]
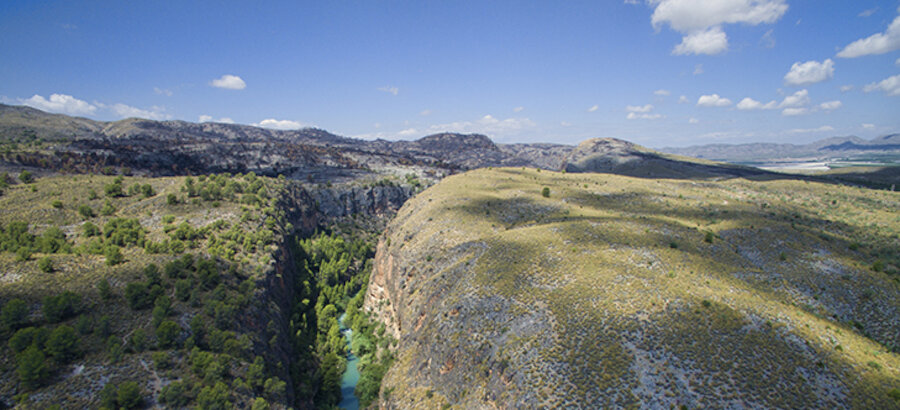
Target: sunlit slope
[(626, 291)]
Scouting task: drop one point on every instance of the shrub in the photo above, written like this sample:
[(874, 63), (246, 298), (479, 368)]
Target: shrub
[(114, 190), (14, 313), (45, 264), (26, 177), (29, 336), (113, 255), (709, 237), (214, 397), (105, 289), (85, 211), (545, 192), (175, 394), (92, 195), (84, 325), (137, 295), (147, 191), (138, 340), (171, 199), (107, 209), (108, 396), (57, 204), (878, 266), (673, 245), (62, 306), (88, 230)]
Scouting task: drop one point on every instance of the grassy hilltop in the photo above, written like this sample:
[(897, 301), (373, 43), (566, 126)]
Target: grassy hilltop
[(519, 287)]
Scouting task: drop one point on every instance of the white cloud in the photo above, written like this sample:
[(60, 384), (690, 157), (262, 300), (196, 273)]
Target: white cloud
[(897, 63), (868, 12), (487, 125), (701, 20), (632, 2), (636, 116), (639, 108), (229, 82), (751, 104), (810, 72), (641, 112), (712, 41), (389, 89), (698, 69), (797, 99), (878, 43), (768, 39), (161, 91), (662, 93), (845, 88), (407, 132), (61, 103), (693, 121), (890, 86), (824, 128), (593, 108), (868, 126), (425, 113), (279, 124), (791, 112), (713, 100), (209, 118), (127, 111), (518, 109), (683, 99), (565, 124), (830, 105)]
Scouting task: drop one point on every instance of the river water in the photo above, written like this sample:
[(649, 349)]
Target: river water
[(351, 375)]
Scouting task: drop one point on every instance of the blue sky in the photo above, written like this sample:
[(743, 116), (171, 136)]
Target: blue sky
[(658, 72)]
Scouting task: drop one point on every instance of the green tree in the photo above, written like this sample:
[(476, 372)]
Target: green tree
[(104, 289), (137, 295), (113, 255), (171, 199), (31, 367), (108, 397), (14, 313), (62, 344), (62, 306), (88, 230), (107, 209), (147, 190), (167, 334), (545, 192), (129, 395), (214, 397)]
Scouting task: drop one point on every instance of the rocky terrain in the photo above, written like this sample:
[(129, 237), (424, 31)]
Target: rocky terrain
[(519, 288)]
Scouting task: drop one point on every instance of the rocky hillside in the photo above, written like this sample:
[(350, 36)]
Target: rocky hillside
[(519, 288), (29, 137), (615, 156)]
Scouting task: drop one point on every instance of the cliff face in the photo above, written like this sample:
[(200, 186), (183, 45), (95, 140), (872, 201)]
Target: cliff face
[(615, 291)]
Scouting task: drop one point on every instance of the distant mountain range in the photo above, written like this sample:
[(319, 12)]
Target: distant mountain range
[(826, 149)]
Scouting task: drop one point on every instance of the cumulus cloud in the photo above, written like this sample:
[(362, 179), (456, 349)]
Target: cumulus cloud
[(878, 43), (641, 112), (593, 108), (662, 93), (693, 121), (824, 128), (488, 125), (407, 132), (890, 86), (897, 63), (830, 105), (161, 91), (683, 99), (127, 111), (797, 99), (810, 72), (751, 104), (425, 113), (791, 112), (209, 118), (713, 100), (868, 126), (279, 124), (60, 103), (518, 109), (701, 21), (390, 90), (698, 69), (711, 42), (229, 82), (845, 88)]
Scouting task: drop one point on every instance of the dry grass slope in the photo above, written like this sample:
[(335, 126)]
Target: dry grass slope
[(619, 291)]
